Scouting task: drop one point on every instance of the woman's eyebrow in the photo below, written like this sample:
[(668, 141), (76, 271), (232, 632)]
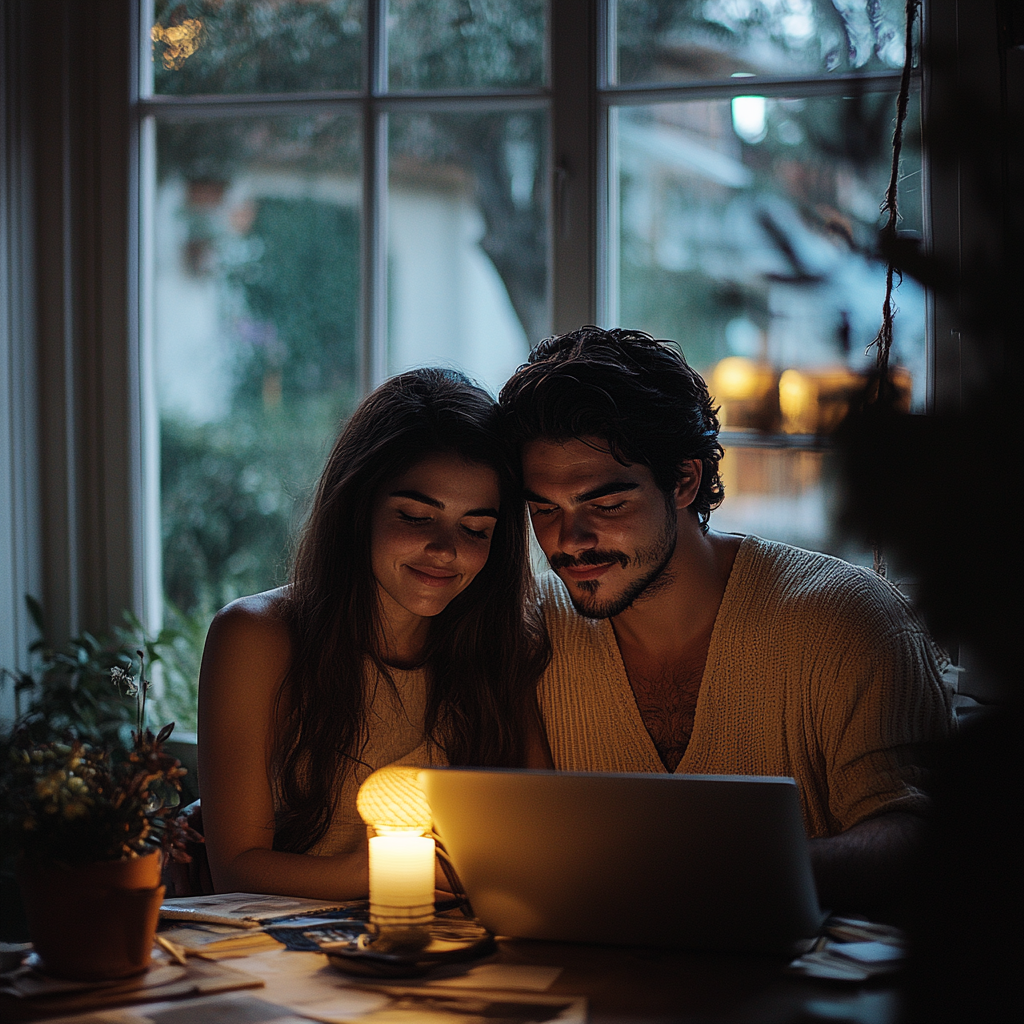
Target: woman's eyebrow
[(419, 496), (425, 499)]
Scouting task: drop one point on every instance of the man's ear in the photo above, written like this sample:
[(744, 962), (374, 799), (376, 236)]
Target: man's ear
[(690, 473)]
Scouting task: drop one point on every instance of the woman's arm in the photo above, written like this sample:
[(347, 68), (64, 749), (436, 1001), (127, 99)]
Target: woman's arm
[(246, 657)]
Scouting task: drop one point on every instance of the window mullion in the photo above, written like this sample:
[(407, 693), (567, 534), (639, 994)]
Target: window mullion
[(373, 256), (574, 162)]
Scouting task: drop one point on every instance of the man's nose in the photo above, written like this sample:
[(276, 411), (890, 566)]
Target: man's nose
[(576, 534)]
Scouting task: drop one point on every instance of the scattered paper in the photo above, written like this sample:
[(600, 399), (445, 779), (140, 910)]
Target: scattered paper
[(868, 952), (418, 1005), (504, 977), (50, 997), (219, 941), (246, 909), (859, 929), (849, 961)]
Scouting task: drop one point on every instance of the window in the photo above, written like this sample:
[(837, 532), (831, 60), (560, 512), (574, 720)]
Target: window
[(337, 191), (749, 148)]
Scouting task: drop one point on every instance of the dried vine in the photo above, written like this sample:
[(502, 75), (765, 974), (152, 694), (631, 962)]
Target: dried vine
[(883, 340), (890, 206)]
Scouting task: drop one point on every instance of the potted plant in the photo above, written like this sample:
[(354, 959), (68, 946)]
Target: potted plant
[(90, 824)]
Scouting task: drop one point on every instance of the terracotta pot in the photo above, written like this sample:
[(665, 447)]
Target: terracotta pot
[(93, 921)]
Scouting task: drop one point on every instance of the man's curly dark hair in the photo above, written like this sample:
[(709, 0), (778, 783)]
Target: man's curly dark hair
[(635, 393)]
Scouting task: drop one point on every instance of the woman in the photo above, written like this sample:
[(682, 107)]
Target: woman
[(405, 634)]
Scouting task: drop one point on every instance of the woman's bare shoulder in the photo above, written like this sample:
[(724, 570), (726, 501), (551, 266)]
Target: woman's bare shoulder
[(254, 613), (253, 628)]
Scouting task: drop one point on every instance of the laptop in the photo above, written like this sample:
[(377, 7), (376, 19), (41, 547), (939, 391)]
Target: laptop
[(707, 862)]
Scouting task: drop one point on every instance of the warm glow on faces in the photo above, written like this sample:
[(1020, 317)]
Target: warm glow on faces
[(607, 529), (431, 534)]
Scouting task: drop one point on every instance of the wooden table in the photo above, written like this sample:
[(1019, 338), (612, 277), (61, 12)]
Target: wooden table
[(648, 986), (621, 986)]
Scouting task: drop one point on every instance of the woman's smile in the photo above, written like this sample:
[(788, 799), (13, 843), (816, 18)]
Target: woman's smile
[(433, 577)]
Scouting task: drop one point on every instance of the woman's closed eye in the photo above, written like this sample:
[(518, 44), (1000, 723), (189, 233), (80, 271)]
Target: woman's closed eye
[(407, 517), (479, 530)]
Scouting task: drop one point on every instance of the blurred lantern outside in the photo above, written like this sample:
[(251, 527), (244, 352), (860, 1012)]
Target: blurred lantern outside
[(753, 395), (816, 401), (784, 492), (747, 393)]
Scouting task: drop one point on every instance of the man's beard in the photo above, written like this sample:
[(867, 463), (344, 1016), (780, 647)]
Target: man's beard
[(654, 560)]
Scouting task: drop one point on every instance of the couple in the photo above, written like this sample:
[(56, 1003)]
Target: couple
[(410, 631)]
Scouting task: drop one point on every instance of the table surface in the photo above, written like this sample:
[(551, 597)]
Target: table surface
[(622, 985), (650, 985)]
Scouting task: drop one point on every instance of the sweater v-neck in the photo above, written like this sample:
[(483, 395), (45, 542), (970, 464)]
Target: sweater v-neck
[(744, 553)]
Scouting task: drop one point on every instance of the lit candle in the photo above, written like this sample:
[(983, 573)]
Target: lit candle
[(401, 879), (391, 802)]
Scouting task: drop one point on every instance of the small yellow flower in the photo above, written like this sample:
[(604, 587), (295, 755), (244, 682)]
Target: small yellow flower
[(49, 786)]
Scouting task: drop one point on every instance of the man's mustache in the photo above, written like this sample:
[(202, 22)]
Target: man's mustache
[(560, 560)]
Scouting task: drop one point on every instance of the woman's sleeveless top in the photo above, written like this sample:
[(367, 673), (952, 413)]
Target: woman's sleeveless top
[(394, 735)]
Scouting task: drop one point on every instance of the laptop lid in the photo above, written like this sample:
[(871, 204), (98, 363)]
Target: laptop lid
[(703, 862)]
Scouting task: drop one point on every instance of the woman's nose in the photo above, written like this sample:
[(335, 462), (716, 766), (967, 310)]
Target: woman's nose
[(442, 543)]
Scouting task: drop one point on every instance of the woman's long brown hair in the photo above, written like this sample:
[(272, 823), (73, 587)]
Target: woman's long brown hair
[(485, 651)]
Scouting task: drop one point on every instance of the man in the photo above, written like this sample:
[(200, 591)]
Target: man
[(678, 649)]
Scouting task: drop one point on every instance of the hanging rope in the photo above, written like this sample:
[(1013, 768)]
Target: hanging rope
[(883, 340)]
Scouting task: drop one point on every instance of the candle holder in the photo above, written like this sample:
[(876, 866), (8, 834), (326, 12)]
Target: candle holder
[(403, 938), (401, 854)]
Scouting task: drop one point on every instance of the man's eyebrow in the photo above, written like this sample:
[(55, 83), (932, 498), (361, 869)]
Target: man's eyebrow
[(425, 499), (602, 491), (612, 487)]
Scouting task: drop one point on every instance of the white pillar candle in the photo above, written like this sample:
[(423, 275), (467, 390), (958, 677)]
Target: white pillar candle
[(401, 879)]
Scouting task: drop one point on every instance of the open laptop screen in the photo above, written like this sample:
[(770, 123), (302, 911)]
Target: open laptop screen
[(702, 862)]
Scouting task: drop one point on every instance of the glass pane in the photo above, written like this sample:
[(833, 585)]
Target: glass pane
[(455, 44), (255, 309), (747, 232), (711, 40), (783, 494), (467, 242), (253, 46)]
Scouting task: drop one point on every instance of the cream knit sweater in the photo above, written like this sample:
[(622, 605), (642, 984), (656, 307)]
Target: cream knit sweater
[(816, 669)]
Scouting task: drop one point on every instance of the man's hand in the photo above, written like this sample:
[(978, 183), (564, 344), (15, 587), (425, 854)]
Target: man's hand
[(866, 867)]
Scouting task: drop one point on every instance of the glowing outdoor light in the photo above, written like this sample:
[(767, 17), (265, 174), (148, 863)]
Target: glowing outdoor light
[(750, 118), (391, 802)]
